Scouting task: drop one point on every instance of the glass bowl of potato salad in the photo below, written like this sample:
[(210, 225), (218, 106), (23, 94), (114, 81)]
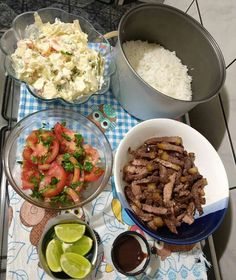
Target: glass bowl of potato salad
[(59, 56)]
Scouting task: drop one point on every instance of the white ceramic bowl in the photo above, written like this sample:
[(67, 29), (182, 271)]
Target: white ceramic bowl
[(209, 165)]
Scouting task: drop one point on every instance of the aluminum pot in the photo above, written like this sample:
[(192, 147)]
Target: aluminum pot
[(176, 31)]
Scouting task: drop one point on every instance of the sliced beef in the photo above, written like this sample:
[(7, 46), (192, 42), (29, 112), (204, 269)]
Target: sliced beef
[(168, 189), (129, 177), (178, 187), (183, 199), (164, 185), (188, 163), (188, 219), (171, 223), (184, 193), (172, 139), (132, 169), (168, 164), (143, 216), (147, 180), (143, 152), (190, 178), (163, 174), (191, 209), (131, 198), (136, 190), (154, 210), (180, 217), (173, 159), (195, 193), (140, 162), (170, 147), (152, 225)]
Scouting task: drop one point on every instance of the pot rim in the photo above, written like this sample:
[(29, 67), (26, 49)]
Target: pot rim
[(205, 33)]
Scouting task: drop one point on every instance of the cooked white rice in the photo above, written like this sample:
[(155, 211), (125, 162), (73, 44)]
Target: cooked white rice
[(160, 68)]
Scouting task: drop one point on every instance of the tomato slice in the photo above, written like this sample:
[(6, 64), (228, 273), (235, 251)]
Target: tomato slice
[(53, 151), (44, 167), (30, 176), (32, 139), (94, 175), (63, 132), (92, 154), (44, 146), (27, 153), (49, 189), (69, 179), (59, 159), (66, 138)]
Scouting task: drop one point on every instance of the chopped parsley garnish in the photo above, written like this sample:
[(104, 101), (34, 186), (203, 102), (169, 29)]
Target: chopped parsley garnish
[(66, 53), (79, 165), (88, 166), (93, 64), (54, 181), (61, 198), (47, 142), (59, 87), (78, 138), (79, 153), (34, 181), (75, 71), (36, 194), (43, 158), (66, 156), (63, 123), (34, 159), (68, 166), (75, 185), (39, 132), (47, 188), (65, 136)]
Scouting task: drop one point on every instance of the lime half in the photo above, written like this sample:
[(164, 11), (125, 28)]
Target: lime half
[(82, 246), (53, 255), (69, 233), (75, 265)]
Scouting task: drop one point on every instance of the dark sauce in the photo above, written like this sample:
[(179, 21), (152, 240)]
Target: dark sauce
[(128, 253)]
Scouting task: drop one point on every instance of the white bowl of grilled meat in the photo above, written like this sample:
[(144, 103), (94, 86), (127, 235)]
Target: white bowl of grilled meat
[(171, 181)]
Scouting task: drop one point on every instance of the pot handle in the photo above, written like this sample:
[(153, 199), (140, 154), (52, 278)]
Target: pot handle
[(111, 34)]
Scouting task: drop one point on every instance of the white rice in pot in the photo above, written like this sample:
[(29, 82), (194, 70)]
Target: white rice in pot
[(160, 68)]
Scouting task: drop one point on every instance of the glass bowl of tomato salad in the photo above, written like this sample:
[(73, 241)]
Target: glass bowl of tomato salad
[(57, 159)]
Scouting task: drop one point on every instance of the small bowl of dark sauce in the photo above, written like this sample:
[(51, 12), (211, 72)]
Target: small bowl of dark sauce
[(130, 253)]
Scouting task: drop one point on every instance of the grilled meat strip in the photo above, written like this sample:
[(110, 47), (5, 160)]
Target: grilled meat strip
[(164, 185)]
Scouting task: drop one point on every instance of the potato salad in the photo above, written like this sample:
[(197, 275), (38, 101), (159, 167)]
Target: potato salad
[(56, 61)]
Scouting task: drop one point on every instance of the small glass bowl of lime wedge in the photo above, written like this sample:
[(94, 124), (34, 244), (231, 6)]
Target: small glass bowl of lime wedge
[(68, 248)]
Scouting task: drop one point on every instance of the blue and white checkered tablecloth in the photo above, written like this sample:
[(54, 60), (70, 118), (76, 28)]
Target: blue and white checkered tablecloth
[(124, 122), (105, 214)]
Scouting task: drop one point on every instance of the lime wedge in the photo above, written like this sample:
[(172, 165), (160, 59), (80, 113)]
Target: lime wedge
[(53, 255), (69, 233), (65, 246), (81, 247), (75, 265)]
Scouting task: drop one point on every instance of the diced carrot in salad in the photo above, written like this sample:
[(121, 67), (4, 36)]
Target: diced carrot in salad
[(57, 165)]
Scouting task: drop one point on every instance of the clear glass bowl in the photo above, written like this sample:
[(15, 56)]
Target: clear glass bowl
[(19, 30), (92, 135)]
